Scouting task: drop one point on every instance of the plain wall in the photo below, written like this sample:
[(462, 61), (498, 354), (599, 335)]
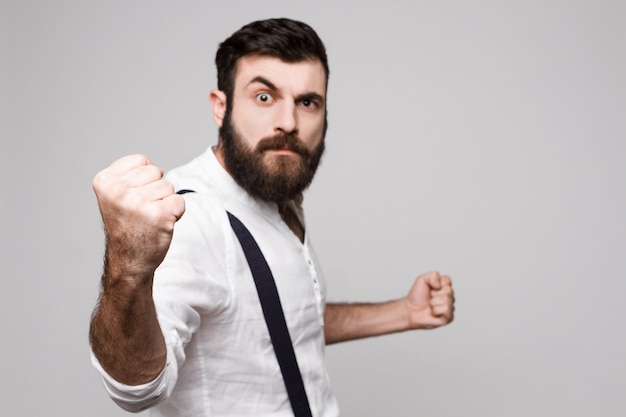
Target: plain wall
[(484, 139)]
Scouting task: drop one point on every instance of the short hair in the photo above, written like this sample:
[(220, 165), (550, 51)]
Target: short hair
[(286, 39)]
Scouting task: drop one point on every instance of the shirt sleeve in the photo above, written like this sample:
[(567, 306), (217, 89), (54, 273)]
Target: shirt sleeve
[(137, 398), (190, 284)]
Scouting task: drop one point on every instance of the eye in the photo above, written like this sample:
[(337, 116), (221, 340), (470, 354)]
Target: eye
[(265, 98), (308, 103)]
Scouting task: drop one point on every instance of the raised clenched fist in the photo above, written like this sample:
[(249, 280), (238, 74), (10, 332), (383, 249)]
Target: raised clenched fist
[(139, 209)]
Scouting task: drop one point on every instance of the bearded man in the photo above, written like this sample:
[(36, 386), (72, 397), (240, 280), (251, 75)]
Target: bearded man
[(179, 327)]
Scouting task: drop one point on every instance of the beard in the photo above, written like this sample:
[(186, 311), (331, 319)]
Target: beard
[(278, 179)]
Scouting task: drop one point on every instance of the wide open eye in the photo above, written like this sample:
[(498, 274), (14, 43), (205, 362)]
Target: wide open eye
[(265, 98)]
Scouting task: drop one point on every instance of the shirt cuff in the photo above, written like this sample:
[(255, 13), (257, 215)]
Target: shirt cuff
[(134, 398)]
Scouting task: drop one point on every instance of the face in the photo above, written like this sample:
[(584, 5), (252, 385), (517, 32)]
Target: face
[(272, 137)]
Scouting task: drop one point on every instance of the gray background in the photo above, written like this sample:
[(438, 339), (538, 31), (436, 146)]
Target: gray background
[(485, 139)]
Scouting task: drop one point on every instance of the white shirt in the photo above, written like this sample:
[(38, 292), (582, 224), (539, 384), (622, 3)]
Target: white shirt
[(220, 359)]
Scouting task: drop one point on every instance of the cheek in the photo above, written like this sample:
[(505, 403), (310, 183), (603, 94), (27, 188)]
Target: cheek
[(249, 125), (314, 133)]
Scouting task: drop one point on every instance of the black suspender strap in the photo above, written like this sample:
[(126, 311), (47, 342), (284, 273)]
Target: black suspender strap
[(274, 318)]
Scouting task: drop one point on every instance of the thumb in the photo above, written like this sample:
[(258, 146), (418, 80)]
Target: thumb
[(420, 292)]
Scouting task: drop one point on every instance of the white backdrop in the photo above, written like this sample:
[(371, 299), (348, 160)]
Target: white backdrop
[(485, 139)]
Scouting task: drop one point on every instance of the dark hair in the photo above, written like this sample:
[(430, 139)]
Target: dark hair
[(286, 39)]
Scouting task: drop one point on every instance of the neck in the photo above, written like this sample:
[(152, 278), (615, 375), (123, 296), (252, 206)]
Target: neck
[(219, 154), (286, 211), (292, 220)]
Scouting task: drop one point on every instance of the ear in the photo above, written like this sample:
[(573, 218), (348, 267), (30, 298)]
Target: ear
[(218, 104)]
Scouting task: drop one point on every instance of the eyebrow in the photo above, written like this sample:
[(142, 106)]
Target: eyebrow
[(306, 96), (265, 81)]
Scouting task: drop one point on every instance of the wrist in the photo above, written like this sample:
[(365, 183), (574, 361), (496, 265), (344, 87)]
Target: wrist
[(125, 265)]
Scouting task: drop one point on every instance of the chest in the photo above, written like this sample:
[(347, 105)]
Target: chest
[(294, 268)]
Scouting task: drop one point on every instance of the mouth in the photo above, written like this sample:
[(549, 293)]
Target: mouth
[(283, 151)]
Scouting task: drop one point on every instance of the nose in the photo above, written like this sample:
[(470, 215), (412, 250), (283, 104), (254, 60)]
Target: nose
[(286, 119)]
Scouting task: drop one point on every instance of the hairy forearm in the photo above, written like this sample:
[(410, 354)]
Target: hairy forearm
[(124, 334), (343, 321), (428, 305), (139, 209)]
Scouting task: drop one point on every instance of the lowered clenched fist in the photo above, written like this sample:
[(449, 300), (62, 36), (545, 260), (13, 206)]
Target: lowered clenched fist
[(431, 301), (139, 209)]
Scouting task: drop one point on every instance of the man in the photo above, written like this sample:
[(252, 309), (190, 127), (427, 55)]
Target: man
[(178, 327)]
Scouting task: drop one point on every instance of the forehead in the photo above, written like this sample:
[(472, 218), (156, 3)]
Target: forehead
[(301, 76)]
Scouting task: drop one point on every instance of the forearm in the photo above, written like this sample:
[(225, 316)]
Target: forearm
[(139, 209), (343, 322), (125, 335), (429, 304)]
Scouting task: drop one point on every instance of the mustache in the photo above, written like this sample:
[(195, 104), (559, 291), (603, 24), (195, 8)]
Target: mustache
[(287, 141)]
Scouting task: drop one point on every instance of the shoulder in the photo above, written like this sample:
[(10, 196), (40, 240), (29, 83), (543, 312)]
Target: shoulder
[(194, 175), (202, 183)]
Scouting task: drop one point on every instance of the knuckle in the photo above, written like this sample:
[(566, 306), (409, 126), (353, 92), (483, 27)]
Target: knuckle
[(100, 180), (137, 159), (155, 171), (169, 187)]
